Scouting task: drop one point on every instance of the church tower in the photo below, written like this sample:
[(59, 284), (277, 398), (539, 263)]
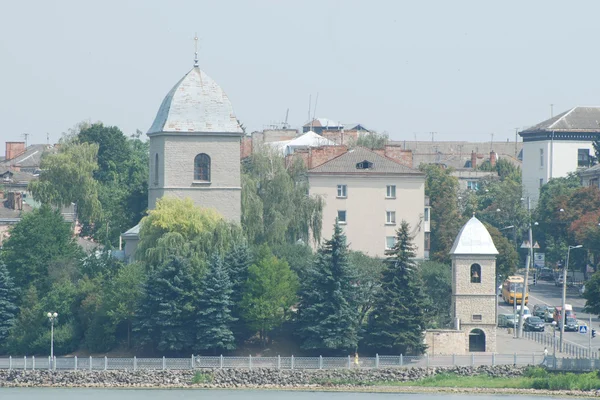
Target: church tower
[(195, 147), (474, 286)]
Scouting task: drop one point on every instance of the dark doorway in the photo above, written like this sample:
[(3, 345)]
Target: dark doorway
[(476, 340)]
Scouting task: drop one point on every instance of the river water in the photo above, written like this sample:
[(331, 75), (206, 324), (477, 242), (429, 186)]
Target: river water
[(188, 394)]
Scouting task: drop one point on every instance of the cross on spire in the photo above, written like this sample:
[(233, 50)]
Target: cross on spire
[(196, 50)]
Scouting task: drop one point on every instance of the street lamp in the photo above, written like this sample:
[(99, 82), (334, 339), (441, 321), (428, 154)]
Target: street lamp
[(529, 261), (563, 315), (52, 317)]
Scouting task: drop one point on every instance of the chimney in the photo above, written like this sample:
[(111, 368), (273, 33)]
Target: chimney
[(14, 149), (493, 158), (473, 160)]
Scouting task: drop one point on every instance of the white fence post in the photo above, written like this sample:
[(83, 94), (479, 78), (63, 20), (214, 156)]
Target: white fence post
[(90, 363), (493, 359), (292, 362), (532, 358), (427, 359), (9, 362), (453, 359), (134, 363), (515, 359), (25, 363), (221, 361), (193, 362), (54, 364), (321, 362), (33, 363), (49, 364), (105, 363), (278, 361), (472, 359), (164, 363), (75, 363), (250, 361), (401, 360), (376, 360), (349, 362)]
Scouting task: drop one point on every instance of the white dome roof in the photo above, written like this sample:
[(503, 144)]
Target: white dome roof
[(196, 104), (474, 239)]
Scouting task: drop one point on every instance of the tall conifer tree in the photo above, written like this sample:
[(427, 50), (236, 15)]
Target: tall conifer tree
[(213, 311), (8, 308), (166, 313), (398, 320), (328, 311)]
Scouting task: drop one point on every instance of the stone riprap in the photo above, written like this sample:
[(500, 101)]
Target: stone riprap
[(236, 378)]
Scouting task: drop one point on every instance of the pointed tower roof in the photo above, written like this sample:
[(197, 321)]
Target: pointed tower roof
[(474, 239), (196, 104)]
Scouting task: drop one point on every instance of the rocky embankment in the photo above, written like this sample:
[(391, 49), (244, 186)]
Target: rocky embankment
[(238, 378)]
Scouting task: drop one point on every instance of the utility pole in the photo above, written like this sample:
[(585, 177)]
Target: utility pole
[(516, 136), (551, 110), (529, 261), (26, 135)]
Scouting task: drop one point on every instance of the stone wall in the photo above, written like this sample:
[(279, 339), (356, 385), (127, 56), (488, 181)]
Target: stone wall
[(445, 342)]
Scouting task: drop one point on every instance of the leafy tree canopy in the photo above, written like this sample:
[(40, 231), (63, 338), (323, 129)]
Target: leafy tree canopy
[(8, 306), (372, 140), (437, 285)]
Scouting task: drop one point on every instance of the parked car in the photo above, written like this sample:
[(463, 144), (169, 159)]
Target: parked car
[(526, 312), (539, 310), (507, 320), (570, 325), (534, 324)]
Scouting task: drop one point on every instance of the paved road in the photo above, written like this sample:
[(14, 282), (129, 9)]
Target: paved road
[(547, 293)]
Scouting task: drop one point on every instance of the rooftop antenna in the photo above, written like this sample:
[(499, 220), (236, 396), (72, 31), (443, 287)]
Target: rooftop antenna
[(492, 142), (25, 135), (315, 109), (551, 110), (196, 50), (309, 105), (285, 123), (47, 138), (432, 135)]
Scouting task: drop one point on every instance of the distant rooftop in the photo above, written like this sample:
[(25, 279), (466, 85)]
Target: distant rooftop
[(581, 120), (363, 161)]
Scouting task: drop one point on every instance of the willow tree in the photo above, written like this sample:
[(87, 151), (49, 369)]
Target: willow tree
[(276, 206), (67, 178), (177, 227)]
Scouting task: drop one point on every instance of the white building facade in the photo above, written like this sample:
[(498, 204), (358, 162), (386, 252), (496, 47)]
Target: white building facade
[(370, 195), (558, 146)]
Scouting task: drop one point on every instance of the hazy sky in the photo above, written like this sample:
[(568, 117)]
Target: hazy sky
[(463, 69)]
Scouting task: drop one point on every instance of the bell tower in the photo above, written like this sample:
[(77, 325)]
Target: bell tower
[(474, 286)]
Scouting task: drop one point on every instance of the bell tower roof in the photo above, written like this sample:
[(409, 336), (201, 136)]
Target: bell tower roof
[(473, 239), (195, 104)]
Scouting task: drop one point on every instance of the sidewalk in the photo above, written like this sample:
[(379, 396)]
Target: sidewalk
[(507, 344)]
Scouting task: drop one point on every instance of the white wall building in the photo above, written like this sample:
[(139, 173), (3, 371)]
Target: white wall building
[(558, 146), (370, 195)]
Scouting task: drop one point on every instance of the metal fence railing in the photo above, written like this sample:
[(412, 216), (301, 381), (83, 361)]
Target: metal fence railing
[(572, 364), (552, 343), (195, 362)]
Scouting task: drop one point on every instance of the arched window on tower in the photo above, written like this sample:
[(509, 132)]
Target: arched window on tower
[(475, 273), (202, 167), (156, 169)]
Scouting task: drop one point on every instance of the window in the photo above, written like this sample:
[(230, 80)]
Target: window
[(342, 191), (541, 182), (202, 167), (541, 157), (473, 185), (390, 191), (475, 273), (427, 241), (426, 215), (390, 242), (476, 317), (583, 158), (390, 217), (156, 169), (341, 216), (364, 165)]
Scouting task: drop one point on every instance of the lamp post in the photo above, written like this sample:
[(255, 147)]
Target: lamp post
[(52, 317), (563, 312), (529, 261)]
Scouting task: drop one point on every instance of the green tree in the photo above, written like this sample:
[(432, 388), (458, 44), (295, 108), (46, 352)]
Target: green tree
[(508, 258), (299, 256), (276, 207), (213, 310), (442, 188), (178, 228), (113, 150), (270, 292), (68, 177), (8, 306), (328, 312), (437, 285), (166, 313), (39, 239), (368, 282), (373, 140), (399, 317), (592, 294), (237, 261), (124, 292)]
